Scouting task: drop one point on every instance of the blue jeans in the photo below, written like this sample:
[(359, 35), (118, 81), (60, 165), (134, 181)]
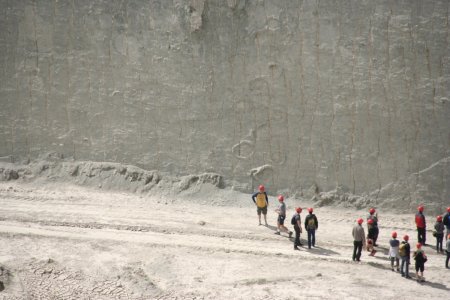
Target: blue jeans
[(311, 238), (404, 268)]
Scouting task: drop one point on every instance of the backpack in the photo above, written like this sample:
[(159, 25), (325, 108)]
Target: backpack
[(294, 219), (402, 249), (311, 223), (446, 219)]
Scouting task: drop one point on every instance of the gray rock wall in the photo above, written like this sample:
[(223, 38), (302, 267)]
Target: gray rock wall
[(288, 93)]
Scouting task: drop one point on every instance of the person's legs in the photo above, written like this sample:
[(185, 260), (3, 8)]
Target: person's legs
[(297, 236), (448, 258), (440, 240), (354, 250), (375, 236), (407, 267), (358, 250), (392, 263), (402, 265), (309, 238), (424, 236), (397, 263), (264, 212)]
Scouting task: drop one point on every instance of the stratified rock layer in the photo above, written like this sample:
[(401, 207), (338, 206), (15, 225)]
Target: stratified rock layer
[(293, 94)]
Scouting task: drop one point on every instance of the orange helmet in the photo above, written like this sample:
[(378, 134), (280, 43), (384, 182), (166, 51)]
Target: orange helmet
[(360, 221), (280, 198), (394, 234)]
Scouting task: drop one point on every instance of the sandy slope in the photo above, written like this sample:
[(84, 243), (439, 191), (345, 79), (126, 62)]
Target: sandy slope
[(69, 242)]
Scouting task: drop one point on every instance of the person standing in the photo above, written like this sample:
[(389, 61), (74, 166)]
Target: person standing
[(311, 225), (405, 252), (446, 222), (393, 251), (297, 222), (439, 229), (359, 239), (420, 258), (262, 203), (421, 225), (281, 211), (371, 236), (373, 226), (448, 251)]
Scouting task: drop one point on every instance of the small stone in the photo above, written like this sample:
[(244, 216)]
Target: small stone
[(201, 223), (319, 275)]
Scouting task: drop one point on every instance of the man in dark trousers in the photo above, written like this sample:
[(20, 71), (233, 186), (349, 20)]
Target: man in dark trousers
[(421, 225), (373, 226), (359, 240), (311, 225), (297, 222)]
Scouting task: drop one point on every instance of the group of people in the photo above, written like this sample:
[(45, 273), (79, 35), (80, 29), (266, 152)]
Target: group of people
[(311, 223), (398, 251)]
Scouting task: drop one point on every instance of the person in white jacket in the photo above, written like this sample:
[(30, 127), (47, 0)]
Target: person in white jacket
[(393, 251)]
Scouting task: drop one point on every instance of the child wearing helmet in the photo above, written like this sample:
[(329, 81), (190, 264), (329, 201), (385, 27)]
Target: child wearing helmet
[(311, 225), (393, 251), (405, 251), (262, 202), (372, 226), (297, 222), (281, 211), (420, 258), (371, 237), (439, 233)]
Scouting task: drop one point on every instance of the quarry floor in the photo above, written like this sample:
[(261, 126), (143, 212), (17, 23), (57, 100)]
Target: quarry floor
[(62, 241)]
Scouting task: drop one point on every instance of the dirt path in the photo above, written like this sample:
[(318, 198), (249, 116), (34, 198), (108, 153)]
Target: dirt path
[(75, 243)]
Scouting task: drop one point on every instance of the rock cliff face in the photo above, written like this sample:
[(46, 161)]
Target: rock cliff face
[(292, 94)]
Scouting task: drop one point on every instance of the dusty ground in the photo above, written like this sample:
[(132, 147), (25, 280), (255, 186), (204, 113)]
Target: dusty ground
[(68, 242)]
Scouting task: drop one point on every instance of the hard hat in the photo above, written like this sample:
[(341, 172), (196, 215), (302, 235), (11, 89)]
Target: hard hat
[(439, 218), (360, 221), (420, 208), (310, 209), (298, 209), (419, 245), (370, 221), (394, 234), (261, 188), (406, 237), (448, 209), (372, 211), (280, 198)]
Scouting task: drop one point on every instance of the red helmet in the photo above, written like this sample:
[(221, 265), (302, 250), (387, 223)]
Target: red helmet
[(372, 211), (310, 209), (280, 198), (448, 209), (419, 245), (439, 218), (420, 208), (406, 237), (370, 221), (298, 209), (360, 221), (261, 188), (394, 234)]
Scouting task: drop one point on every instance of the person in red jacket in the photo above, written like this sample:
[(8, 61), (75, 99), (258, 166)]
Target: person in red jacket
[(421, 225)]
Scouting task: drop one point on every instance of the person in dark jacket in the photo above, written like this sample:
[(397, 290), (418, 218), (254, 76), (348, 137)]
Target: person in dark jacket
[(405, 252), (311, 225), (439, 232), (420, 258), (372, 227), (446, 222), (297, 227), (448, 251), (421, 225)]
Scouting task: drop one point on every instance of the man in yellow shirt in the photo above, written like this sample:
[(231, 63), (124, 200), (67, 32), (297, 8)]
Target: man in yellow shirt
[(262, 202)]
